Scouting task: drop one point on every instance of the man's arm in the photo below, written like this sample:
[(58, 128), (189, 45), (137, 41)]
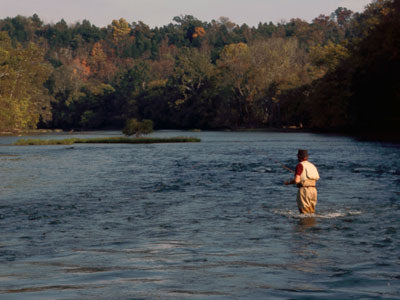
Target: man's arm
[(296, 178)]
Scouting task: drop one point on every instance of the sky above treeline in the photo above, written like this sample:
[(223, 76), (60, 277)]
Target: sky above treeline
[(161, 12)]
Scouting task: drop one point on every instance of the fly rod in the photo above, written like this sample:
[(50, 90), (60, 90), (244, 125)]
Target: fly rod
[(287, 168), (282, 165)]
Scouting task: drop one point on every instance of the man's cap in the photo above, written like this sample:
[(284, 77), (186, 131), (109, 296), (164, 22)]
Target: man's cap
[(302, 153)]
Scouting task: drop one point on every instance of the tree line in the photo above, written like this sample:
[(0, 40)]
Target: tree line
[(337, 72)]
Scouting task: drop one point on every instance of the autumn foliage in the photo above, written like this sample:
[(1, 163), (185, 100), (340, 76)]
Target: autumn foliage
[(198, 32), (338, 72)]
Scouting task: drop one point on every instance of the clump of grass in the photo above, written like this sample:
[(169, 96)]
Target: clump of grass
[(143, 140), (39, 142), (110, 140)]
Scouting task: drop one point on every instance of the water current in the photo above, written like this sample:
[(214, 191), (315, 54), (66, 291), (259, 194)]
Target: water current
[(208, 220)]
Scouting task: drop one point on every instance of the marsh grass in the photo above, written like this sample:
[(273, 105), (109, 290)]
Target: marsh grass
[(111, 140)]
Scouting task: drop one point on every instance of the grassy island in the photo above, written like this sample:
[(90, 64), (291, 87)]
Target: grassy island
[(110, 140)]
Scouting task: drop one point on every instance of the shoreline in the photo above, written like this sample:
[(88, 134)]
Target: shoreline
[(30, 132), (109, 140), (371, 136)]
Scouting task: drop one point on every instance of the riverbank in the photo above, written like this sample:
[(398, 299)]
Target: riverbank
[(392, 136), (29, 132), (369, 136), (389, 136), (111, 140), (380, 136)]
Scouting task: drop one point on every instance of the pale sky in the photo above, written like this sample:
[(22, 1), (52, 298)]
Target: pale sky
[(160, 12)]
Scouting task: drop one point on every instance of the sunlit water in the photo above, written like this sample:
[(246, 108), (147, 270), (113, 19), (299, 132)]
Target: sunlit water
[(209, 220)]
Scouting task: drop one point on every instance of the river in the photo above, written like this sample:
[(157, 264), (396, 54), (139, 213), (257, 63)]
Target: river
[(208, 220)]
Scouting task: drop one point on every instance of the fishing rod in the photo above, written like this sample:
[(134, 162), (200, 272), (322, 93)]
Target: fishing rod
[(279, 163), (282, 165), (285, 167)]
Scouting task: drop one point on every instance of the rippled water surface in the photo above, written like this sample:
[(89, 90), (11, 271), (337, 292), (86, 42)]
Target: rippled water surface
[(209, 220)]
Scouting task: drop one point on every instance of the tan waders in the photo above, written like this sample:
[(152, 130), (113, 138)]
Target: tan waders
[(307, 199)]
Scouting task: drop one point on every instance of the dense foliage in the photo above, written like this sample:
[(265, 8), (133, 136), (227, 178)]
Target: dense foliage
[(138, 128), (336, 72)]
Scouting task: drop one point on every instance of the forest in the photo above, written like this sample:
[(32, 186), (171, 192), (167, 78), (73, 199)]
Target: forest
[(336, 73)]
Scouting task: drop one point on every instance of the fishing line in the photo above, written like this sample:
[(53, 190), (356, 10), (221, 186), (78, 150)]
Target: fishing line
[(279, 163)]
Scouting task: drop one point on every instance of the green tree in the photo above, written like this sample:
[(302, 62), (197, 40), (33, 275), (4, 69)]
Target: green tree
[(192, 70), (22, 95), (133, 126), (362, 92), (235, 74), (128, 85), (253, 77), (375, 91), (329, 56), (122, 38), (190, 27)]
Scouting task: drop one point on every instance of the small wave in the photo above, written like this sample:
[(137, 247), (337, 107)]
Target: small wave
[(364, 170), (395, 172), (34, 289), (376, 170), (323, 215), (333, 215), (262, 170)]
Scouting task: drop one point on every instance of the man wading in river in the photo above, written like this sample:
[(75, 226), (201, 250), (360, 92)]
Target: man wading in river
[(306, 176)]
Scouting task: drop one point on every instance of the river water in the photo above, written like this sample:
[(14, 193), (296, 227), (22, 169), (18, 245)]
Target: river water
[(209, 220)]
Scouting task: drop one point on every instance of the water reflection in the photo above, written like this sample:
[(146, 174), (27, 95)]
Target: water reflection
[(307, 222), (304, 247)]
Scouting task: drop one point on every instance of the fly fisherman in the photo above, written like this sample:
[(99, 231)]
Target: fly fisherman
[(305, 177)]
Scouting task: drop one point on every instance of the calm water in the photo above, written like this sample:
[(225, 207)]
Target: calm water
[(209, 220)]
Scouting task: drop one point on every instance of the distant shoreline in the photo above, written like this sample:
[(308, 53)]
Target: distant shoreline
[(106, 140), (30, 132), (46, 131), (373, 136)]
